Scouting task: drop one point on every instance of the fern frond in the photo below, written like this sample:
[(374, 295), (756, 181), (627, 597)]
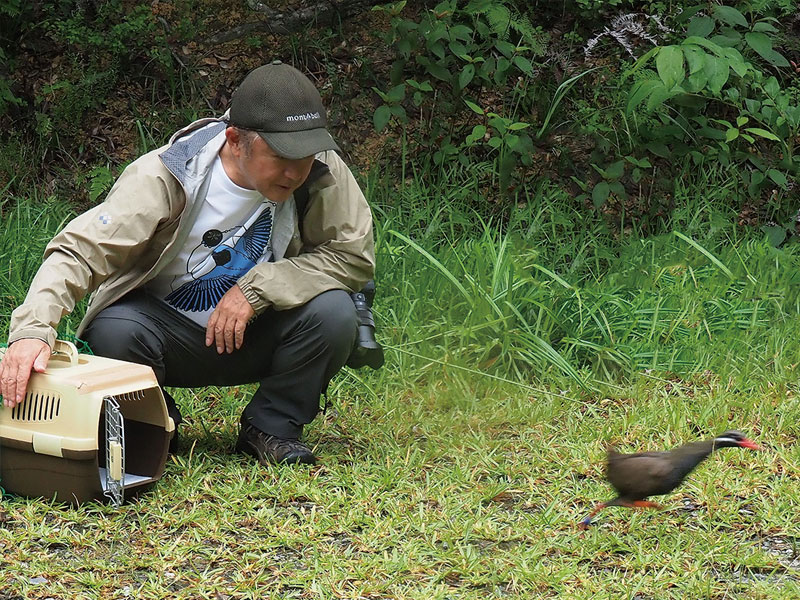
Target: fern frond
[(499, 18), (534, 37)]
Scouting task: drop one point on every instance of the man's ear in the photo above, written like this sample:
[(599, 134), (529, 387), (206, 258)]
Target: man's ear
[(232, 135)]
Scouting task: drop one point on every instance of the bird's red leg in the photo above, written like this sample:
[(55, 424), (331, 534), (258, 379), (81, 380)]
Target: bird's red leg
[(588, 520), (646, 504)]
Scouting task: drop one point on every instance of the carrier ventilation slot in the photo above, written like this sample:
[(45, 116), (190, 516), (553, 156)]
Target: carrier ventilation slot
[(130, 396), (38, 406)]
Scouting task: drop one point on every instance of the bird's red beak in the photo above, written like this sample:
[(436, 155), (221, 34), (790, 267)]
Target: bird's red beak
[(745, 443)]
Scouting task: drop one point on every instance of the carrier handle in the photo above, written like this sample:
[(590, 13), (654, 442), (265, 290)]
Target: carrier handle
[(63, 349)]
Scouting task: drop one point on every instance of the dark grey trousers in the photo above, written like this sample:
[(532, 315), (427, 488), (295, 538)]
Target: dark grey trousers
[(293, 353)]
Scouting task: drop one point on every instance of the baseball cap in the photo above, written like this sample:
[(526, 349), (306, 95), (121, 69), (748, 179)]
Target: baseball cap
[(285, 108)]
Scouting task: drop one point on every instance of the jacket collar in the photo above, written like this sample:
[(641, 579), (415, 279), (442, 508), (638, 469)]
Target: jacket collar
[(188, 143)]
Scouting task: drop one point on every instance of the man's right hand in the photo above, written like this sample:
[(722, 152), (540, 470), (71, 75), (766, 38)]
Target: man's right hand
[(21, 358)]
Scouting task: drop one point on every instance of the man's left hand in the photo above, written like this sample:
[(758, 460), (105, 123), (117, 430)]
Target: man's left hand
[(227, 323)]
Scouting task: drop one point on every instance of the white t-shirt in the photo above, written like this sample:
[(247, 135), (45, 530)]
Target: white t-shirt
[(232, 233)]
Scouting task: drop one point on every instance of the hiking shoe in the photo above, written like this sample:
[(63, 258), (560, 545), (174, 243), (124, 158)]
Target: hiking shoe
[(270, 449)]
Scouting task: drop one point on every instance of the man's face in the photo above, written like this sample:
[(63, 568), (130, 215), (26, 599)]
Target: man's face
[(256, 166)]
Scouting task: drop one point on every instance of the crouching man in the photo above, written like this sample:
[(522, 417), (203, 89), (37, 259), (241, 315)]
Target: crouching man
[(197, 266)]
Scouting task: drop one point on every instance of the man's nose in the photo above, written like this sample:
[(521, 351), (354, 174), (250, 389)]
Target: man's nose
[(293, 171)]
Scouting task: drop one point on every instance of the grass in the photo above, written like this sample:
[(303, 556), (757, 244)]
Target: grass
[(461, 469), (454, 489)]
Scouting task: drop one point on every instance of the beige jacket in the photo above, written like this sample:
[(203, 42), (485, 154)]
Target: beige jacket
[(122, 243)]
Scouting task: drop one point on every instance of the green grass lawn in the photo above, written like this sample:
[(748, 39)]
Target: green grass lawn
[(462, 468), (450, 489)]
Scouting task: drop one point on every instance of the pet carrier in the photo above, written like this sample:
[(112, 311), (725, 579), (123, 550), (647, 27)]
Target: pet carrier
[(89, 428)]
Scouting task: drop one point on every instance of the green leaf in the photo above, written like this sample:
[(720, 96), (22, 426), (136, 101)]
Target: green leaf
[(505, 48), (775, 234), (778, 178), (383, 95), (458, 49), (695, 57), (404, 46), (708, 44), (467, 73), (639, 162), (640, 62), (438, 32), (600, 194), (615, 170), (425, 86), (793, 115), (518, 126), (523, 64), (772, 87), (729, 15), (726, 41), (736, 61), (512, 141), (765, 27), (618, 189), (688, 13), (718, 73), (602, 172), (760, 42), (752, 105), (669, 64), (397, 93), (439, 72), (731, 134), (659, 149), (477, 134), (381, 117), (501, 74), (474, 107), (763, 133), (461, 32), (697, 82), (711, 133), (640, 91), (399, 112), (657, 98), (437, 48), (776, 59), (700, 26)]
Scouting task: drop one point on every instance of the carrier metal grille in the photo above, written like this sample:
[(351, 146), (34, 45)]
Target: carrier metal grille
[(115, 451), (38, 406)]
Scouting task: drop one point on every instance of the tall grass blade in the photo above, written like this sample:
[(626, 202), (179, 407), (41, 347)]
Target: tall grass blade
[(706, 253), (435, 262)]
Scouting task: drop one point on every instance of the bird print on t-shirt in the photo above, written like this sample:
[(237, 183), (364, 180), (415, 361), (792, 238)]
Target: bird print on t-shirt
[(230, 262)]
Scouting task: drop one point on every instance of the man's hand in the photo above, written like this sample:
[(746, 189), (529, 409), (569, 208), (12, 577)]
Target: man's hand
[(20, 359), (228, 321)]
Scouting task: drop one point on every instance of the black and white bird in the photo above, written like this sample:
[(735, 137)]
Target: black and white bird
[(635, 477)]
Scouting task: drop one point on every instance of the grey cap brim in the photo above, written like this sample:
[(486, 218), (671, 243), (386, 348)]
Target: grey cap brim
[(299, 144)]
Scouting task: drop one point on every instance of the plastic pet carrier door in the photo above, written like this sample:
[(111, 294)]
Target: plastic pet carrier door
[(89, 428)]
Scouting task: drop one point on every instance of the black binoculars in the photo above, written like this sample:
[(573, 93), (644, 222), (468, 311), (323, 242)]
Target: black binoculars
[(367, 352)]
